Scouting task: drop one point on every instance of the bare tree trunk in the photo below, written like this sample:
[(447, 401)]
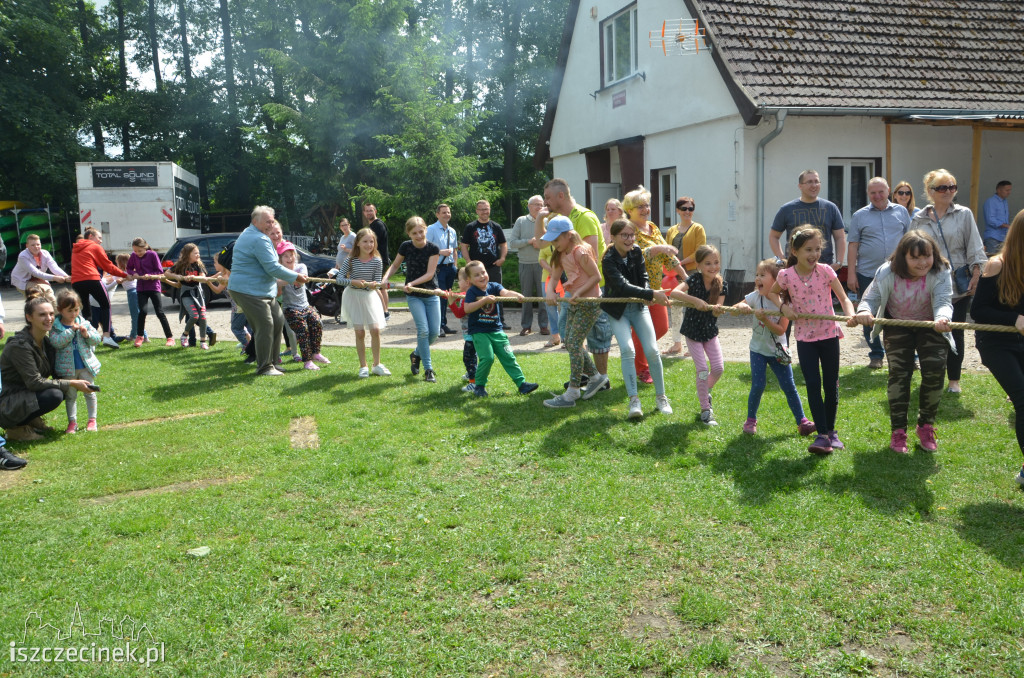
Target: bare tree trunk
[(154, 46), (511, 33), (126, 147), (83, 30)]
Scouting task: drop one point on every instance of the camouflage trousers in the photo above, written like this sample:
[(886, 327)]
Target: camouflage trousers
[(901, 343)]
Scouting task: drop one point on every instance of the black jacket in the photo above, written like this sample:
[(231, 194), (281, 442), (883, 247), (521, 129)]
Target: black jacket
[(624, 279), (988, 310)]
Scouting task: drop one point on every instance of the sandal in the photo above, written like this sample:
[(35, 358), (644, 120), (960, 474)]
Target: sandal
[(552, 343)]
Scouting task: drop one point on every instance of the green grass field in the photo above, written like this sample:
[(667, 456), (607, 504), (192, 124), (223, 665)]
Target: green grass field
[(433, 534)]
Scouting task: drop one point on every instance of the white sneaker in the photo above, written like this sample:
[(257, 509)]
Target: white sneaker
[(559, 402), (364, 372), (594, 385), (469, 388), (635, 411), (661, 402), (381, 371), (107, 341)]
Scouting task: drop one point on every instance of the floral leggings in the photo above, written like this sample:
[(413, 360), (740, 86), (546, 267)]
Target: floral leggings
[(579, 321), (309, 332)]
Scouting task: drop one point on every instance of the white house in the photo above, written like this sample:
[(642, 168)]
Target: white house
[(889, 88)]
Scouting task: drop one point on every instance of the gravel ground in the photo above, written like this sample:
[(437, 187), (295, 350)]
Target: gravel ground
[(400, 333)]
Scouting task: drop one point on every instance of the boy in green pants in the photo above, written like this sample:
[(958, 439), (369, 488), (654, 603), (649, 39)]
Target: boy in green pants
[(481, 306)]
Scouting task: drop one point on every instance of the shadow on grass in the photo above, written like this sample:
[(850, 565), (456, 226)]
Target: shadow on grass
[(757, 475), (889, 482), (951, 407), (995, 527)]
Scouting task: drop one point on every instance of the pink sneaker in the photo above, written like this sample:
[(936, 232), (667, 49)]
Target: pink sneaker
[(645, 377), (138, 341), (72, 426), (750, 427), (926, 435), (203, 345), (310, 365), (321, 358), (91, 426), (898, 442), (170, 341), (184, 341), (806, 427)]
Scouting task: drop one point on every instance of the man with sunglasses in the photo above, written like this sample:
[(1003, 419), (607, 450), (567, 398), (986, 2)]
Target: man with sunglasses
[(808, 209), (875, 230), (997, 218)]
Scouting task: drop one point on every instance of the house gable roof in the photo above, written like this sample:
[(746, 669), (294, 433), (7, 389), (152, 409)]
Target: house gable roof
[(872, 54)]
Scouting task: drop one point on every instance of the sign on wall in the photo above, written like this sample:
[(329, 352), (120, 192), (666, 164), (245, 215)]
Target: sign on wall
[(186, 204), (123, 177)]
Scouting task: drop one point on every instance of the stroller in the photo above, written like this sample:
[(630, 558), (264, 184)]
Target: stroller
[(325, 298)]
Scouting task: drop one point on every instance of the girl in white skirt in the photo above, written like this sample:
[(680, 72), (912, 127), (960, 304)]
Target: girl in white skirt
[(361, 305)]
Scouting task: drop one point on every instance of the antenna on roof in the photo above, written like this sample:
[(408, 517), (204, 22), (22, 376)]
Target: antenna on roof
[(684, 36)]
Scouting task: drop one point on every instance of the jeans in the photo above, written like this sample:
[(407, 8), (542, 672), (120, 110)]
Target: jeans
[(239, 324), (637, 319), (708, 365), (531, 286), (554, 319), (659, 320), (875, 345), (447, 274), (133, 309), (759, 364), (426, 313)]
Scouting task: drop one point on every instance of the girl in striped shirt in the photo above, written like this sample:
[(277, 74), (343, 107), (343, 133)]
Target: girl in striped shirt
[(362, 305)]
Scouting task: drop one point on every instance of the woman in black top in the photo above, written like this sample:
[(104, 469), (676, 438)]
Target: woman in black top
[(625, 275), (420, 257), (999, 300)]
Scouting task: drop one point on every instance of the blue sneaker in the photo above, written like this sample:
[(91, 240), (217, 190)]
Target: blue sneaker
[(527, 387), (479, 391), (1020, 478)]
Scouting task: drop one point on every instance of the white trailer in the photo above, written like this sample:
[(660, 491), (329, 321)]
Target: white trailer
[(158, 201)]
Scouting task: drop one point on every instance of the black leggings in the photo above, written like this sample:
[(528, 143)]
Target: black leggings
[(158, 308), (96, 290), (954, 361), (826, 353), (48, 401), (1005, 360)]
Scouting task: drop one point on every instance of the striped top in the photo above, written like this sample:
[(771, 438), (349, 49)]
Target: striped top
[(356, 269)]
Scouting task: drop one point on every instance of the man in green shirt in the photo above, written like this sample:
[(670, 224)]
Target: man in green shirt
[(558, 200)]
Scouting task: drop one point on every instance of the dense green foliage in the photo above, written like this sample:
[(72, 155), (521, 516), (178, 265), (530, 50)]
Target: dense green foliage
[(296, 103)]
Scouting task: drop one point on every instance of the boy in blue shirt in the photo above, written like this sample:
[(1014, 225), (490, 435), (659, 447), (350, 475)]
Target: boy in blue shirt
[(481, 306)]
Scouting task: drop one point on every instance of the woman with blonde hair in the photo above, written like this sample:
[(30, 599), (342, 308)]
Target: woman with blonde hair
[(659, 256), (954, 228), (999, 300)]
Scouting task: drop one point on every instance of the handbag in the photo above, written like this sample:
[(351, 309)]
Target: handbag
[(961, 274), (781, 352)]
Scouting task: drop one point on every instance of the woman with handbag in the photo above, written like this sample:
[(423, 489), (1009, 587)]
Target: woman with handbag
[(954, 228)]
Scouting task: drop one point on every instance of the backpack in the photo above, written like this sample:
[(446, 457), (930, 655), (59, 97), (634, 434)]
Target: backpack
[(225, 255)]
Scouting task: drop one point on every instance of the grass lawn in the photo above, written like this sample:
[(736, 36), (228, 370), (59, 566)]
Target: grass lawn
[(433, 534)]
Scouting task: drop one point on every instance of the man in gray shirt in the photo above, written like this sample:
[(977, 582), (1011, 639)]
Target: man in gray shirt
[(875, 230), (527, 246)]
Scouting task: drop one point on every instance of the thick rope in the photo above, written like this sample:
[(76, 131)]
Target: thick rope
[(732, 310)]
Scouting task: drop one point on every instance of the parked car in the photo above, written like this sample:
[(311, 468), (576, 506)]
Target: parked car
[(212, 243)]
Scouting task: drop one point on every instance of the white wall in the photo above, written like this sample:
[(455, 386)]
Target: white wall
[(678, 89)]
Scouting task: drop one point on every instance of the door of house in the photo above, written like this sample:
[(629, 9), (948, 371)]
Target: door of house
[(602, 193), (848, 183), (666, 198)]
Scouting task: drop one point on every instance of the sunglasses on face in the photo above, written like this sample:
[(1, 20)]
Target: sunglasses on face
[(902, 192), (685, 209), (942, 189)]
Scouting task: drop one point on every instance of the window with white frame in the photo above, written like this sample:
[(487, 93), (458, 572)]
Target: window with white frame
[(620, 45), (848, 183)]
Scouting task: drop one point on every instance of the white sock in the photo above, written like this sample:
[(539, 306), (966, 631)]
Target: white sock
[(572, 393)]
